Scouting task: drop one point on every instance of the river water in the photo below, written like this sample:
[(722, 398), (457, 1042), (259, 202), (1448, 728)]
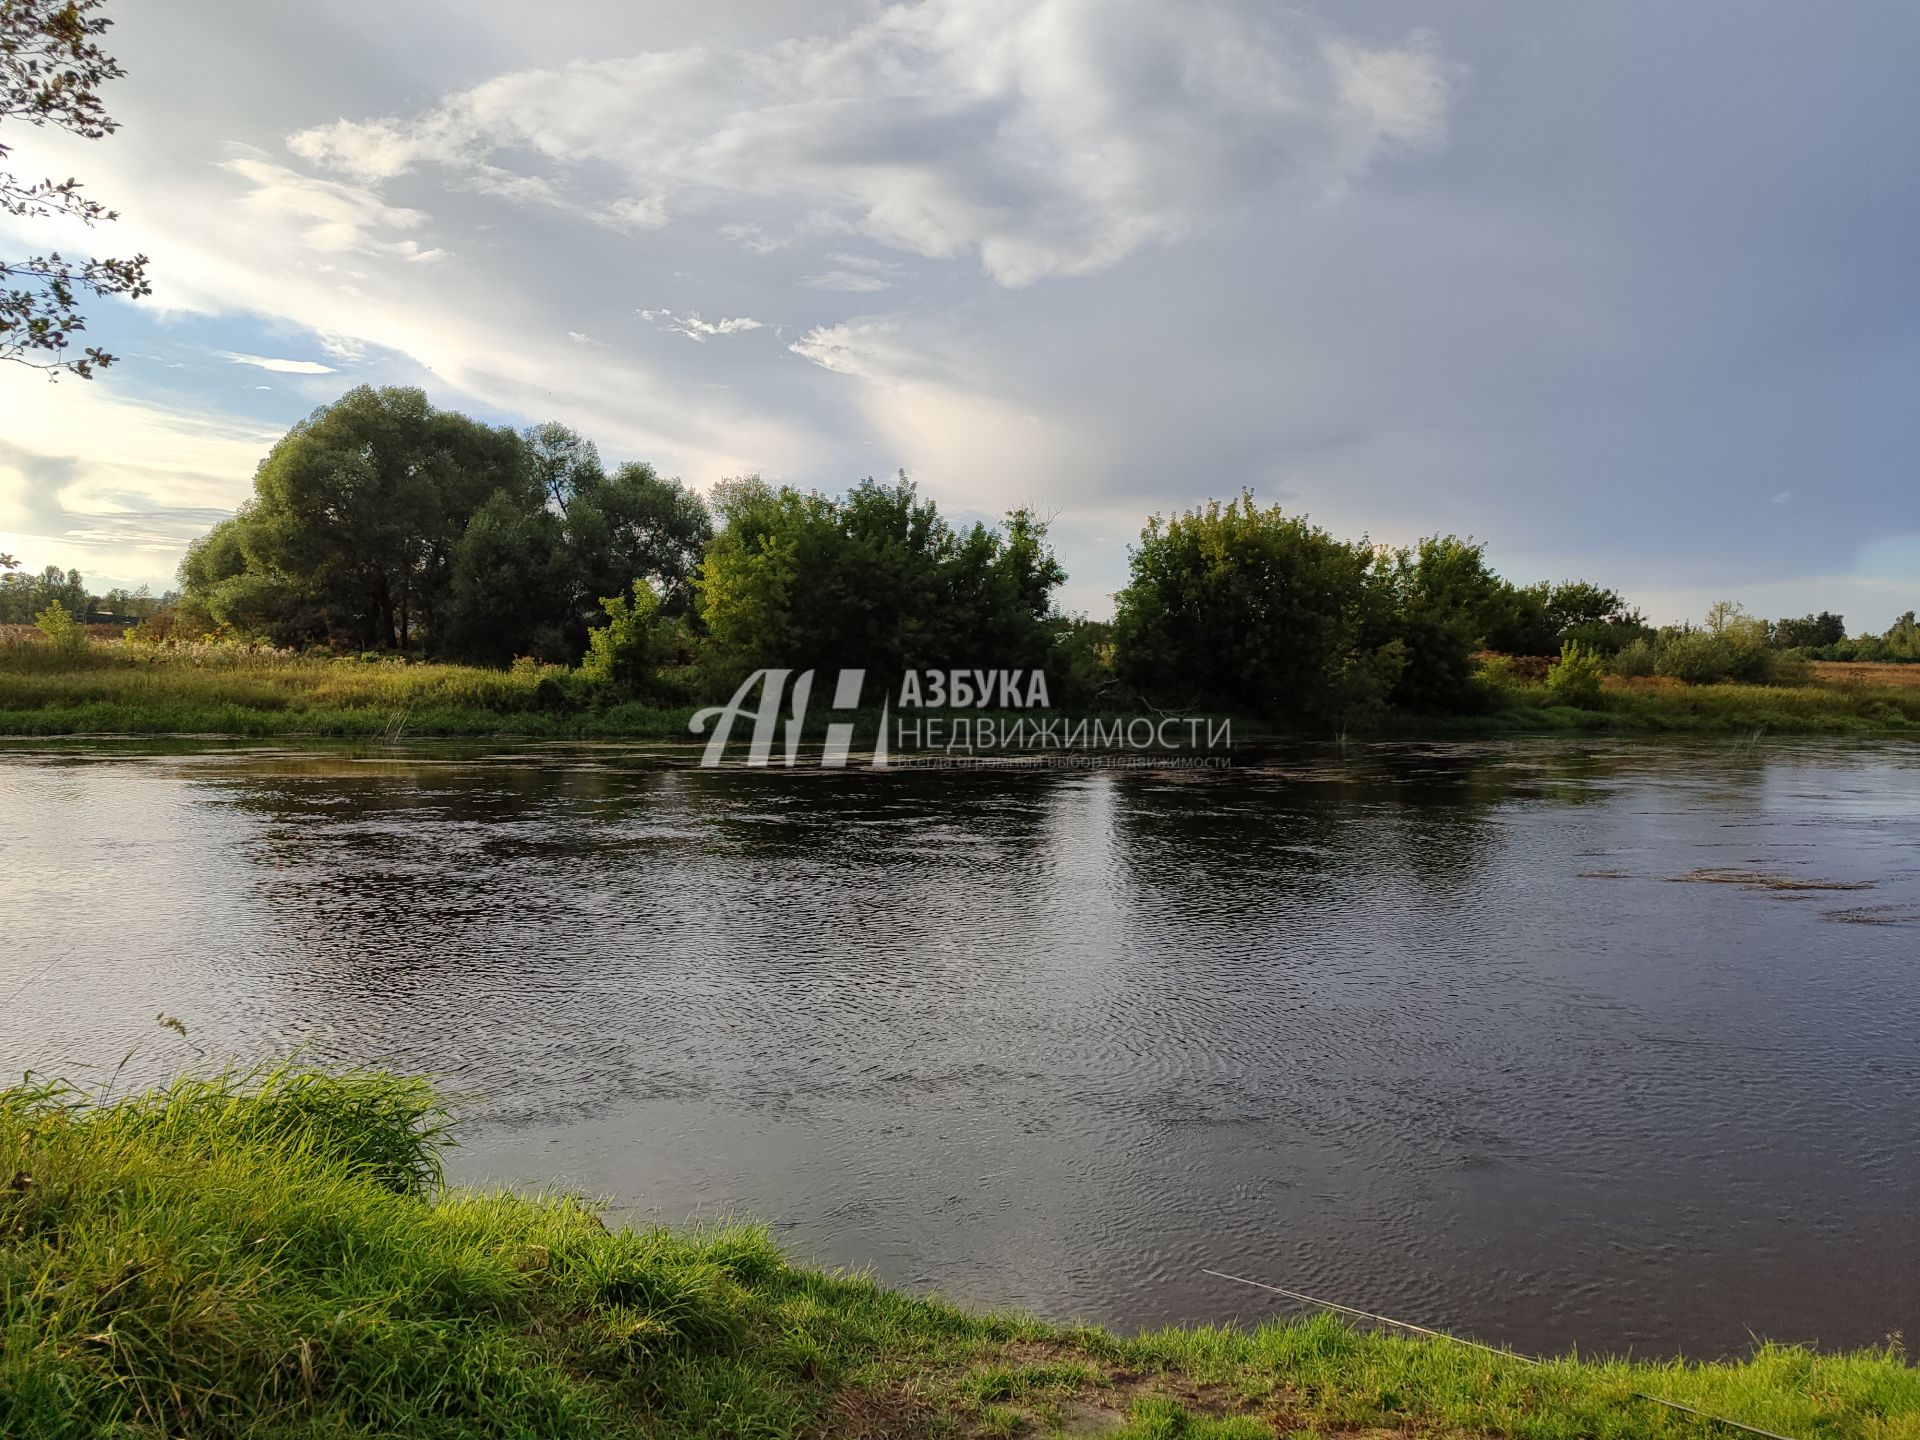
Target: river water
[(1549, 1042)]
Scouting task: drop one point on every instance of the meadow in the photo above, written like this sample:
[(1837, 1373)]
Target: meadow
[(102, 686), (274, 1254)]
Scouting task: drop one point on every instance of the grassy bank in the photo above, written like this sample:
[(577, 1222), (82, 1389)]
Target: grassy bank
[(274, 1256), (1822, 706), (112, 688)]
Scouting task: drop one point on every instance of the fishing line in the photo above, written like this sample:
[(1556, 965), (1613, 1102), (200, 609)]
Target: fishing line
[(1306, 1299)]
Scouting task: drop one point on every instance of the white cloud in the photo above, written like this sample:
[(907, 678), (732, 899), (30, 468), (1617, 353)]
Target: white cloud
[(1049, 138), (857, 275), (633, 213), (279, 367), (580, 337), (694, 328), (329, 216), (848, 281), (113, 487)]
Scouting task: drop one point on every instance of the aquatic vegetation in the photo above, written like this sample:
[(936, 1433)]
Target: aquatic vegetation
[(273, 1254)]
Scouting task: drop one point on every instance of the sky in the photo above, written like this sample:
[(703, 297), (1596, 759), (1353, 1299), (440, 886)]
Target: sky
[(1626, 291)]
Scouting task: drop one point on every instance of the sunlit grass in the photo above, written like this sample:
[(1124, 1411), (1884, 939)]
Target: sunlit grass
[(272, 1254)]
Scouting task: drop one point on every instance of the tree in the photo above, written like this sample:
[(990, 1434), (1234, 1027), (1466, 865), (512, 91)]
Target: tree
[(1247, 609), (613, 529), (1438, 599), (564, 461), (23, 596), (632, 525), (51, 71), (875, 579), (508, 586), (357, 515), (1539, 619), (1810, 632)]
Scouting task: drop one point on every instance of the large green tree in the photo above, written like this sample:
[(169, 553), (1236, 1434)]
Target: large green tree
[(875, 579), (382, 522), (356, 518), (1247, 609), (1436, 598)]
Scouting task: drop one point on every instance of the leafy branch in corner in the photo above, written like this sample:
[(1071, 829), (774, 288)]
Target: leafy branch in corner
[(51, 71)]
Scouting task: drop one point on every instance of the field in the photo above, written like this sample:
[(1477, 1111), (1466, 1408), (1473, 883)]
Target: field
[(112, 687), (273, 1255), (1863, 672)]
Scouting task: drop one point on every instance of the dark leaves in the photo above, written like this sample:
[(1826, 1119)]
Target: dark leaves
[(51, 69)]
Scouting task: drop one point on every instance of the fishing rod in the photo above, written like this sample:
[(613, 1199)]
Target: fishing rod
[(1334, 1305)]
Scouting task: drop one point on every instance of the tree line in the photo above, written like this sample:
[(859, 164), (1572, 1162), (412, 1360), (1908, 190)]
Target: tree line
[(382, 524), (25, 596)]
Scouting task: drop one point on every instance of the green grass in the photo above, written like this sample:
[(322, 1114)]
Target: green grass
[(114, 688), (1814, 708), (274, 1255)]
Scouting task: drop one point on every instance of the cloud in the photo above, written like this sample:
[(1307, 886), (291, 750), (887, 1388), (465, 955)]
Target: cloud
[(281, 367), (849, 281), (329, 216), (580, 337), (1049, 138), (113, 487), (857, 275), (694, 328), (1299, 263)]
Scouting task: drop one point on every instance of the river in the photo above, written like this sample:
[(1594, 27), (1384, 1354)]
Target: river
[(1551, 1042)]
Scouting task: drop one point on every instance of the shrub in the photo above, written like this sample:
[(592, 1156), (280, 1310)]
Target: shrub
[(63, 632), (624, 653), (1635, 660), (1575, 677)]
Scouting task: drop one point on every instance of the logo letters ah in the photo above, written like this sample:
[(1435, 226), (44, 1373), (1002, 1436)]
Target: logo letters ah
[(772, 685)]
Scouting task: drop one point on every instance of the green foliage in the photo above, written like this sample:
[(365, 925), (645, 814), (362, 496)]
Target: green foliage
[(506, 568), (631, 525), (382, 523), (1242, 609), (24, 596), (63, 632), (874, 579), (1435, 602), (1635, 660), (1731, 646), (1810, 632), (1899, 645), (1539, 619), (1080, 669), (1575, 676), (626, 652)]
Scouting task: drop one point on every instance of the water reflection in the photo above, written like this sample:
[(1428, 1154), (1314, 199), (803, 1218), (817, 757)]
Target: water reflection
[(1429, 1027)]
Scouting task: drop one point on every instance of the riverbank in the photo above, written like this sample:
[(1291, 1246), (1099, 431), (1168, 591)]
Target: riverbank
[(112, 688), (274, 1255)]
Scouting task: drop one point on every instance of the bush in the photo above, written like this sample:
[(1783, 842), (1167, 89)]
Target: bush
[(624, 653), (1636, 660), (1575, 677), (63, 632)]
